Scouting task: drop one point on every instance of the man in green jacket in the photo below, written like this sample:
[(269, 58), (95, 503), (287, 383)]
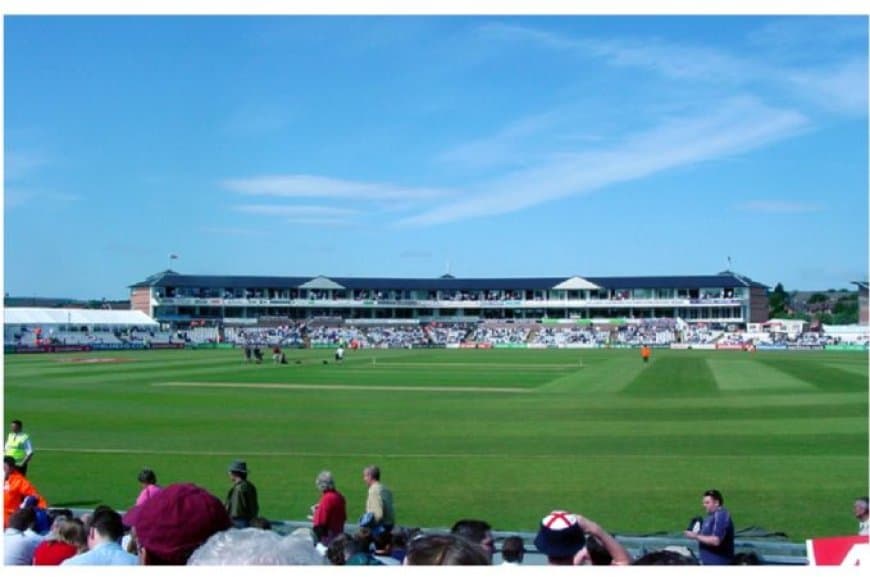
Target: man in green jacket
[(241, 503)]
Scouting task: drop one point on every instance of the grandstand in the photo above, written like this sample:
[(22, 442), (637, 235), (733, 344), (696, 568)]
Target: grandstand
[(178, 300)]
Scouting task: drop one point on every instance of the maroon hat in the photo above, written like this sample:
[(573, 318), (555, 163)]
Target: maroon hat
[(177, 520)]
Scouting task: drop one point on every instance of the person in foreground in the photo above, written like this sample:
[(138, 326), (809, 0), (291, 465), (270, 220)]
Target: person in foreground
[(173, 523), (104, 541), (716, 536), (562, 538), (444, 549), (16, 488)]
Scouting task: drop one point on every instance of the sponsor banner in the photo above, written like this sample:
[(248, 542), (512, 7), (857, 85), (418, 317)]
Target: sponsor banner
[(167, 346), (50, 349), (805, 347), (509, 346), (730, 346), (452, 346), (475, 345), (839, 551), (536, 346), (579, 346), (693, 346), (117, 346), (771, 347), (847, 347)]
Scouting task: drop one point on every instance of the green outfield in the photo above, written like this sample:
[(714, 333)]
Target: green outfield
[(503, 435)]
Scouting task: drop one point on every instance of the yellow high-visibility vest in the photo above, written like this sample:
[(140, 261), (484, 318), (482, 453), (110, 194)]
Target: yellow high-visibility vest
[(15, 446)]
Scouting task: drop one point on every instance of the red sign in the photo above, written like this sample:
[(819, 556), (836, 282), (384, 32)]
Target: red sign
[(845, 551)]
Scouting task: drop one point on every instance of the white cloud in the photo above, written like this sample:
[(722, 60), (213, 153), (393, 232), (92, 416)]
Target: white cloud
[(255, 118), (836, 79), (302, 211), (309, 186), (15, 197), (839, 89), (733, 127), (679, 61), (19, 164), (331, 222), (231, 231), (778, 207), (510, 144)]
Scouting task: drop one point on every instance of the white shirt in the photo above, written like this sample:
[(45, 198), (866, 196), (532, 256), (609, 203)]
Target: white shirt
[(18, 547), (864, 527)]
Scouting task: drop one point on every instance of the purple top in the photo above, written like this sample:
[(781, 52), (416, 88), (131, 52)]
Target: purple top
[(148, 492), (718, 523)]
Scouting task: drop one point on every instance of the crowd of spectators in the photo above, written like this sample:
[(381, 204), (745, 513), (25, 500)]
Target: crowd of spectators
[(183, 523), (331, 332), (501, 335), (286, 335)]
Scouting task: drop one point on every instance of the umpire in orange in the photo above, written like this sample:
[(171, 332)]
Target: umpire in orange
[(644, 353)]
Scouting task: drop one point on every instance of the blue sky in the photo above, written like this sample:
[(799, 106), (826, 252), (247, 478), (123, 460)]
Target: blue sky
[(392, 146)]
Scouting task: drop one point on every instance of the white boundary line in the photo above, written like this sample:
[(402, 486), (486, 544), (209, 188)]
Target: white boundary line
[(381, 455), (421, 389)]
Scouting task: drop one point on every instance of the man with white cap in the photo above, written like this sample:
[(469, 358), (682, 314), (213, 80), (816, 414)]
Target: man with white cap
[(562, 538)]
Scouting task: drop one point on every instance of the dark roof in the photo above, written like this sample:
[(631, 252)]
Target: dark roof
[(862, 284), (171, 278)]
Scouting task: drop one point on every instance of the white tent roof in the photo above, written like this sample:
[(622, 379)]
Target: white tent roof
[(576, 283), (321, 283), (42, 316)]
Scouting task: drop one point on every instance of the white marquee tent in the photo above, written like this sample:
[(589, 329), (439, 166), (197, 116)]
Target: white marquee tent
[(28, 316)]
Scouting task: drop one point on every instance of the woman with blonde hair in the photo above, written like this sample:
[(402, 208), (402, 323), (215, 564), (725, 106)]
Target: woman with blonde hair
[(68, 538)]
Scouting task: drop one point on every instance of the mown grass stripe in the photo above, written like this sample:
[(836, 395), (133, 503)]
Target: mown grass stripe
[(671, 376), (823, 377), (750, 375), (321, 387)]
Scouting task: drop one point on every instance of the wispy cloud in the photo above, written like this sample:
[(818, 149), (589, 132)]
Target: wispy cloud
[(839, 89), (513, 144), (15, 197), (231, 231), (735, 127), (297, 211), (255, 119), (309, 186), (19, 163), (329, 222), (677, 61), (837, 79), (778, 207)]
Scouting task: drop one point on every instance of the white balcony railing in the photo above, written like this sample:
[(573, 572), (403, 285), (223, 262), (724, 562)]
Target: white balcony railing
[(437, 304)]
